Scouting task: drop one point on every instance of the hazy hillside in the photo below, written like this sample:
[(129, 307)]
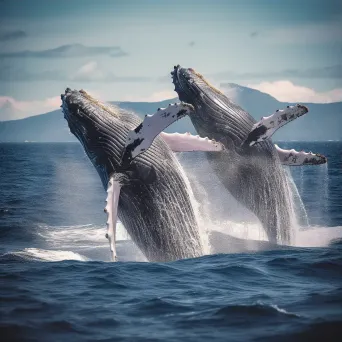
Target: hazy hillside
[(50, 127), (323, 122)]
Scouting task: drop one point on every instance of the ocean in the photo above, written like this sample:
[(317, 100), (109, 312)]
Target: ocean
[(57, 283)]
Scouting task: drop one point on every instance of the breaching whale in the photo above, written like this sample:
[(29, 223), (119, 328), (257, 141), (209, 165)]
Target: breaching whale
[(250, 166), (150, 194)]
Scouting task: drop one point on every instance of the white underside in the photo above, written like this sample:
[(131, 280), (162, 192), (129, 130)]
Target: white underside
[(277, 120), (113, 194), (139, 140), (152, 125), (186, 142), (295, 158)]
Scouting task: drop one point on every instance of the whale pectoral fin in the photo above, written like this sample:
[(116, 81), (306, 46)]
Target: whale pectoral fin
[(295, 158), (141, 138), (113, 194), (268, 125), (187, 142)]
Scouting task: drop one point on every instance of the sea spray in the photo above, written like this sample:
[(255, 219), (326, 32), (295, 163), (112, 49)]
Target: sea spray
[(324, 175), (218, 208), (302, 219), (201, 213)]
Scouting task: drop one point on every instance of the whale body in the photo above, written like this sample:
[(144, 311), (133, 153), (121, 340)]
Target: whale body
[(252, 174), (154, 202)]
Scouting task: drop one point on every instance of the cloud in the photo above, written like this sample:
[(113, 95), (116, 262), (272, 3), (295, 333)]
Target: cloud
[(12, 35), (12, 109), (331, 72), (91, 72), (68, 51), (286, 91)]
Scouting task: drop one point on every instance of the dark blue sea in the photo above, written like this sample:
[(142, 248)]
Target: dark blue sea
[(57, 283)]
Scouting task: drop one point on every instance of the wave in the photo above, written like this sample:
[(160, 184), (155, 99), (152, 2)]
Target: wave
[(81, 236), (251, 233), (90, 240), (317, 236), (36, 254), (87, 242), (256, 309)]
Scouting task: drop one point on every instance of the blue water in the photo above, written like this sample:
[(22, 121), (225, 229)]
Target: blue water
[(56, 283)]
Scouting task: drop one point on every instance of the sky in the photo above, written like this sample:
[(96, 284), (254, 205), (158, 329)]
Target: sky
[(124, 50)]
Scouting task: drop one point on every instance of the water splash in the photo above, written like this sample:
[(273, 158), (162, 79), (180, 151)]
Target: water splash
[(201, 214), (324, 176), (219, 211), (214, 204), (301, 180), (300, 216), (317, 236), (37, 254)]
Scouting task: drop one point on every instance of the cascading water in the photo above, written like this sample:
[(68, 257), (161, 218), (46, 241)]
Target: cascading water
[(300, 217), (325, 190), (219, 211), (200, 212)]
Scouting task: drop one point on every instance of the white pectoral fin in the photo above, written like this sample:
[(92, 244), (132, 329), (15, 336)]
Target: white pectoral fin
[(295, 158), (113, 194), (268, 125), (187, 142), (141, 138)]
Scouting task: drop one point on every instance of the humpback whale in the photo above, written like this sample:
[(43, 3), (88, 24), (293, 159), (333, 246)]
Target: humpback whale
[(148, 194), (250, 165)]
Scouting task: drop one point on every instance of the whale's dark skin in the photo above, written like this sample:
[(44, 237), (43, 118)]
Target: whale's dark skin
[(154, 204), (253, 175)]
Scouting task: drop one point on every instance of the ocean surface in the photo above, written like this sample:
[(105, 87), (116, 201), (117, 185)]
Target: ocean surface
[(57, 284)]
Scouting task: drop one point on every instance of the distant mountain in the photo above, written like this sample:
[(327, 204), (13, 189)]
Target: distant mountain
[(50, 127), (323, 122), (8, 111)]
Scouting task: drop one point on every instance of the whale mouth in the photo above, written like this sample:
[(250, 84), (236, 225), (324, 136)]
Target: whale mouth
[(77, 99), (189, 84)]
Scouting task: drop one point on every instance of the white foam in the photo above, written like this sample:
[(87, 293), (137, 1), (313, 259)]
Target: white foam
[(48, 255), (241, 230), (317, 236), (201, 216), (89, 240), (283, 311), (80, 236)]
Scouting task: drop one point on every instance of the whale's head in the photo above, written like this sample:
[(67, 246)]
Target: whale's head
[(99, 128), (190, 85), (211, 107)]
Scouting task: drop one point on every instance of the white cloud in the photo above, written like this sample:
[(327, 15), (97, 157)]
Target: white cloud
[(89, 72), (93, 72), (12, 109), (286, 91)]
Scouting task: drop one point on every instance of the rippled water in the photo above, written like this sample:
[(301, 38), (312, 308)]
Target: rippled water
[(56, 283)]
